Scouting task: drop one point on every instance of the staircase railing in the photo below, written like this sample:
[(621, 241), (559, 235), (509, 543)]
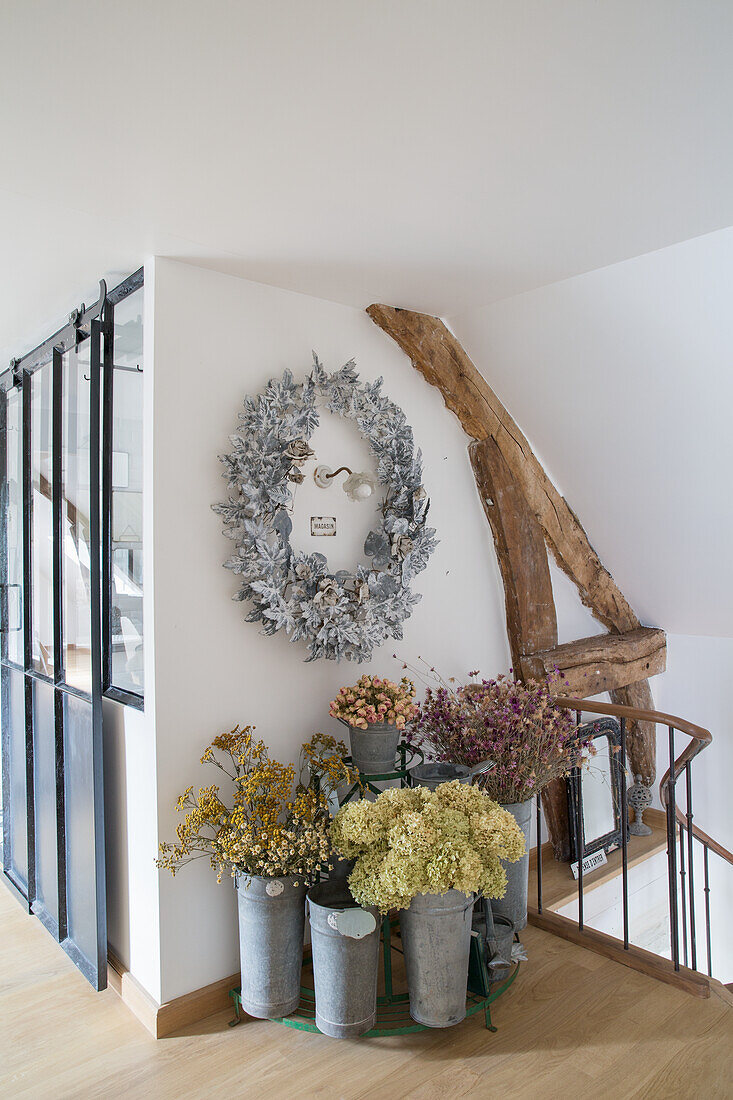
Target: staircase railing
[(679, 827)]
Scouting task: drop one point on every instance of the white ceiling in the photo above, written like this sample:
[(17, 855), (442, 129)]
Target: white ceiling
[(438, 155)]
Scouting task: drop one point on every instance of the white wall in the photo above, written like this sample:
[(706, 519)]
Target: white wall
[(622, 380), (218, 338)]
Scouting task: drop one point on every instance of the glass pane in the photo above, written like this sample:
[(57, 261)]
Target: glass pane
[(598, 807), (14, 526), (126, 597), (42, 541), (44, 799), (81, 881), (76, 564), (15, 820)]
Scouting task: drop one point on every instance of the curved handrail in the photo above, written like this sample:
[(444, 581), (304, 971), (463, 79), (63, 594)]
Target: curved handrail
[(701, 738), (698, 732)]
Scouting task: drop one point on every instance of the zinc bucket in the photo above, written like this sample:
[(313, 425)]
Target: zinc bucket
[(436, 936), (513, 905), (433, 774), (271, 927), (345, 945), (374, 749)]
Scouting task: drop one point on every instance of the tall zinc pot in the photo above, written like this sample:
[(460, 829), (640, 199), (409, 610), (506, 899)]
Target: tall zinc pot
[(436, 936), (436, 772), (271, 927), (513, 905), (374, 749), (345, 945)]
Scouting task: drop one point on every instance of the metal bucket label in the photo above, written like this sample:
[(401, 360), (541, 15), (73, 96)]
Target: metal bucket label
[(354, 923), (274, 888)]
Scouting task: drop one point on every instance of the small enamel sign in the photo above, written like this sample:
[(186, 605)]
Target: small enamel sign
[(323, 525), (590, 863)]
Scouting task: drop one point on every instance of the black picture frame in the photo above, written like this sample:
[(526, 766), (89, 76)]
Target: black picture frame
[(581, 845)]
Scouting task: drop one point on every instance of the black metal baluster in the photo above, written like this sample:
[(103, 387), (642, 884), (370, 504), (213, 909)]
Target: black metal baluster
[(539, 854), (672, 855), (690, 869), (624, 836), (683, 895), (707, 909)]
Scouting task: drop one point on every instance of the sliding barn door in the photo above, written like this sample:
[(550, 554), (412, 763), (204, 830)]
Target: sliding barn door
[(51, 651)]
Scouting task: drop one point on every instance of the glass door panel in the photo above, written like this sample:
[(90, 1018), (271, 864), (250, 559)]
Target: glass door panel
[(126, 495), (13, 604), (75, 533), (15, 805), (42, 655), (46, 900), (86, 919)]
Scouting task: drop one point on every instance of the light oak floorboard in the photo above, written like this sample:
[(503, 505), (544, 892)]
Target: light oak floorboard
[(573, 1025)]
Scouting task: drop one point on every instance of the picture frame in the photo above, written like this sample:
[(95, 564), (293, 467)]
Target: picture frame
[(600, 777)]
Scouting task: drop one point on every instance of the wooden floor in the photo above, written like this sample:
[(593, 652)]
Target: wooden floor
[(573, 1025)]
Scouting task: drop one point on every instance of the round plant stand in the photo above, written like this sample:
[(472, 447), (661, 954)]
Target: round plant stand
[(393, 1005)]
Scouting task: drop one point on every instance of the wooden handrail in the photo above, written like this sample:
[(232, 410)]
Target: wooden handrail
[(698, 732), (705, 839), (701, 738)]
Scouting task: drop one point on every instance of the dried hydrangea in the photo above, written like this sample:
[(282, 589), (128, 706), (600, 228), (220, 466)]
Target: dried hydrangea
[(413, 841)]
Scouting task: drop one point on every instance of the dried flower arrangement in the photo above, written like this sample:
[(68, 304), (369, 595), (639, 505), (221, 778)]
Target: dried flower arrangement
[(518, 726), (274, 826), (373, 700), (413, 841)]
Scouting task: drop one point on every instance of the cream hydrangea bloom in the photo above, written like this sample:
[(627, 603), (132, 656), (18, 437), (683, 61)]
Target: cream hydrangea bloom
[(417, 841)]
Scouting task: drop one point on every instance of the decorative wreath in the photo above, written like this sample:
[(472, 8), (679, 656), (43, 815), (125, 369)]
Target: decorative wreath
[(340, 615)]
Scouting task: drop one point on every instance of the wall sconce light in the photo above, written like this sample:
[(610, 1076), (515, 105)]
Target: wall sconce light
[(359, 486)]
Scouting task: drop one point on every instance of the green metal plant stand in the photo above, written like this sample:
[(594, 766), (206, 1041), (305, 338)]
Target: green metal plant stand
[(393, 1006), (401, 772)]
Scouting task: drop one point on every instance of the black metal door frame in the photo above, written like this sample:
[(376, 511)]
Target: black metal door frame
[(95, 325)]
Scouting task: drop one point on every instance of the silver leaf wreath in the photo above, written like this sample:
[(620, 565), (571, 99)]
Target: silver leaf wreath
[(339, 615)]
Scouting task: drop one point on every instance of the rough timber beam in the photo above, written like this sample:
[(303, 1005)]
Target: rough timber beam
[(439, 357), (604, 662)]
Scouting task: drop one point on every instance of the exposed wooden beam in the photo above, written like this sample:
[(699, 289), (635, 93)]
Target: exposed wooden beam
[(520, 549), (603, 662), (641, 737), (531, 621), (438, 356)]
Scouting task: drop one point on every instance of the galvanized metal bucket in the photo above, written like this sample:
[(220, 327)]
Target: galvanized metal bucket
[(513, 905), (436, 936), (374, 749), (433, 774), (271, 927), (345, 944), (500, 963), (340, 868)]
